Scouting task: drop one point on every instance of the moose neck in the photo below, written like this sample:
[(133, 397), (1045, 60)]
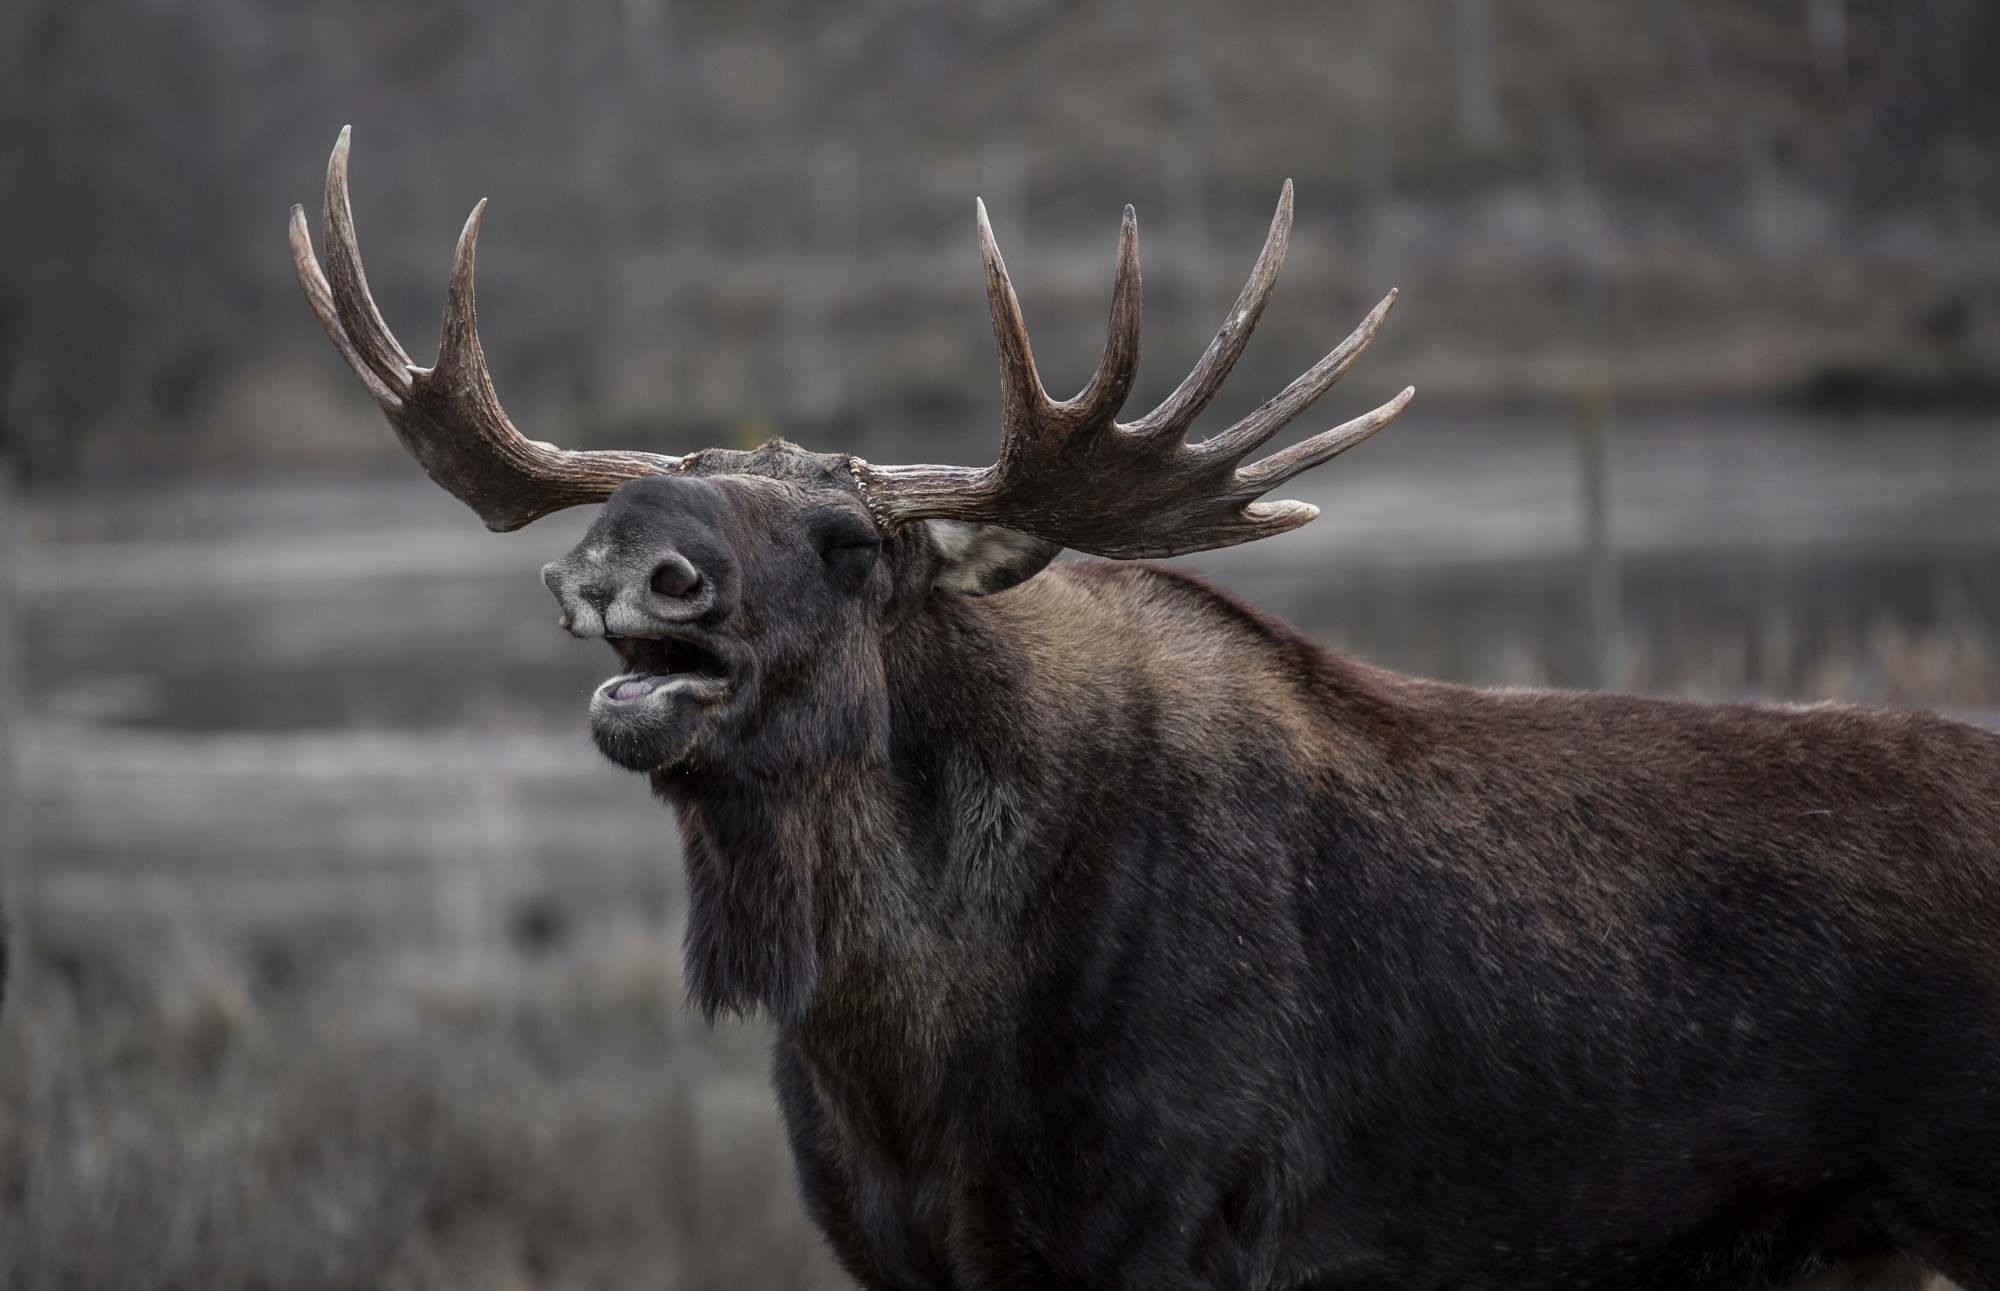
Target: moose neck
[(880, 894), (834, 884)]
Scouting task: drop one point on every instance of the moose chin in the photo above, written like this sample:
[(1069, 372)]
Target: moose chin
[(1117, 935)]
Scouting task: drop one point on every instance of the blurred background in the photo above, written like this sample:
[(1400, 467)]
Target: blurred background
[(342, 960)]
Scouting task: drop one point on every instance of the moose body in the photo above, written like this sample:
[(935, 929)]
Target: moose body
[(1221, 961), (1117, 935), (1151, 945)]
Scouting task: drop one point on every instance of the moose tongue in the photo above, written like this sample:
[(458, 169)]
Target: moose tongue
[(633, 689)]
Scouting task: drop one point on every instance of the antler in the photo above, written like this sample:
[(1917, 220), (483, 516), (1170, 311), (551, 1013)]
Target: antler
[(1068, 472), (447, 415), (1072, 474)]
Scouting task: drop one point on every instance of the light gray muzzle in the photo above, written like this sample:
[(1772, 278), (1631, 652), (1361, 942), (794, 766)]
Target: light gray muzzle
[(606, 593)]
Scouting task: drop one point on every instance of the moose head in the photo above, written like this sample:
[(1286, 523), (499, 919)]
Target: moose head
[(747, 593)]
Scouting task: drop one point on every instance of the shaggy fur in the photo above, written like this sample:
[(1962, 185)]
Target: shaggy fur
[(1119, 936)]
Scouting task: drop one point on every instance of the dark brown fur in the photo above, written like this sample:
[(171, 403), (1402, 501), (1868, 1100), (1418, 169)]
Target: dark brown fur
[(1118, 935)]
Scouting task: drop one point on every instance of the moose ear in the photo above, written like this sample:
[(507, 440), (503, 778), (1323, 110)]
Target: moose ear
[(980, 559)]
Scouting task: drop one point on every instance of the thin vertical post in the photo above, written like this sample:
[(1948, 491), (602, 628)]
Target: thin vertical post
[(1601, 589), (817, 380), (17, 879), (1375, 160), (1184, 170)]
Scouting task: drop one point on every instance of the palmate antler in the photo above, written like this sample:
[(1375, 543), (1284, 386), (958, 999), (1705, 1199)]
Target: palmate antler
[(1071, 473), (1068, 472)]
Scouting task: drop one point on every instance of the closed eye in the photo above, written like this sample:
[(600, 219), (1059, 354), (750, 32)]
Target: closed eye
[(845, 536)]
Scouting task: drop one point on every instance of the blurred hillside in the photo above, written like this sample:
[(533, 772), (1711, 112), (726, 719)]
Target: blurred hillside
[(711, 222)]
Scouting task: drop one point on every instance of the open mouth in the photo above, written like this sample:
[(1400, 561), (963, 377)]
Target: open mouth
[(660, 664)]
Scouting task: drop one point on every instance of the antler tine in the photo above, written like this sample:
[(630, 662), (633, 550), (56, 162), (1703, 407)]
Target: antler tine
[(1268, 473), (1100, 401), (370, 336), (1028, 410), (319, 295), (448, 416), (1272, 416), (460, 377), (1268, 519), (1172, 418), (1026, 405), (461, 360)]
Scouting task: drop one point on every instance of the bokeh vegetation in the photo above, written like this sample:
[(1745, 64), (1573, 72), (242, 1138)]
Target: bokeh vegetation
[(712, 221), (343, 961)]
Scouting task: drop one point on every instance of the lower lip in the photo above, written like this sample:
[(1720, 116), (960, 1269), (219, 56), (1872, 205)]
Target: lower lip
[(634, 690)]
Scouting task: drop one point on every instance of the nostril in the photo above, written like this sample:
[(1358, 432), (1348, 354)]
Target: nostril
[(675, 577)]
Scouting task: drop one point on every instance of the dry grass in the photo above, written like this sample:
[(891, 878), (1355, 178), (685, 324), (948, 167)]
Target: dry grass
[(562, 1126), (1954, 667)]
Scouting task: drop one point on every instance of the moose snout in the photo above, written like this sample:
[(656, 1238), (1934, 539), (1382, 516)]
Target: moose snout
[(605, 592)]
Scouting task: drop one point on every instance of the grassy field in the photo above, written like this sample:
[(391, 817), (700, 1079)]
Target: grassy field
[(345, 1009), (564, 1126), (354, 966)]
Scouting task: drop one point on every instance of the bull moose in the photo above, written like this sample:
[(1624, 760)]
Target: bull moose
[(1115, 934)]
